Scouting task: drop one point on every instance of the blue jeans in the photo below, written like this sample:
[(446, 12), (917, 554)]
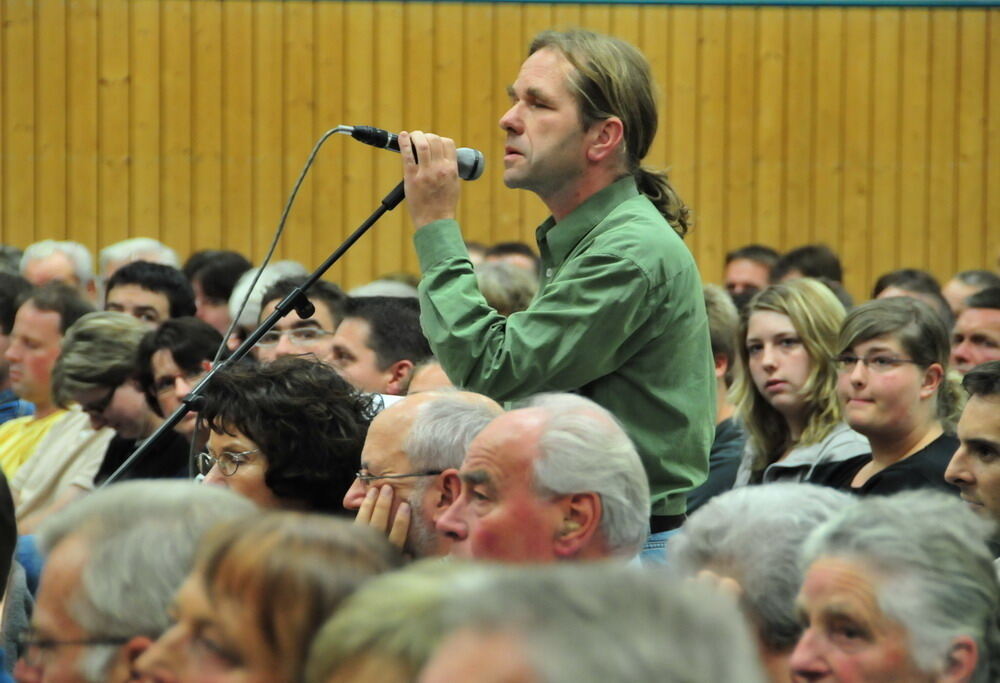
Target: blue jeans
[(654, 552)]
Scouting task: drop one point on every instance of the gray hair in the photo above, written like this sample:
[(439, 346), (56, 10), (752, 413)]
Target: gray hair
[(137, 249), (583, 623), (272, 274), (99, 350), (755, 536), (141, 538), (939, 581), (79, 256), (583, 448), (506, 287), (385, 287), (443, 429)]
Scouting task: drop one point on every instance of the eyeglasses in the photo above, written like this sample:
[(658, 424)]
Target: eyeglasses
[(167, 384), (846, 362), (37, 650), (299, 335), (228, 462), (98, 407), (366, 479)]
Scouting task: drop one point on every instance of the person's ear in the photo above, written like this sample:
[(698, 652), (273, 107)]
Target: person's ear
[(721, 365), (961, 660), (206, 365), (607, 137), (400, 374), (933, 377), (581, 521), (449, 486)]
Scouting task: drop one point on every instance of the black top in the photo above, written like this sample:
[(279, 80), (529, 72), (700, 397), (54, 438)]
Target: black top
[(924, 469), (167, 459), (723, 463)]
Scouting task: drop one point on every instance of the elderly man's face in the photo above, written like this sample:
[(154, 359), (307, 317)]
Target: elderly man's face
[(54, 267), (976, 338), (847, 637), (52, 620), (975, 467), (499, 514)]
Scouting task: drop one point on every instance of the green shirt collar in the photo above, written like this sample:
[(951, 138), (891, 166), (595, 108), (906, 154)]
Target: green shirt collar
[(557, 240)]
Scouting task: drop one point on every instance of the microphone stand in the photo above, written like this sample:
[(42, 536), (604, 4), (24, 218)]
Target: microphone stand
[(296, 301)]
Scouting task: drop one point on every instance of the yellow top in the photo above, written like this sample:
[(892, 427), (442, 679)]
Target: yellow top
[(20, 437)]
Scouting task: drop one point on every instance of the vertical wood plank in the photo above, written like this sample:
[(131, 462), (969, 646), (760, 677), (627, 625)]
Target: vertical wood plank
[(508, 219), (828, 131), (971, 121), (50, 145), (682, 88), (852, 238), (768, 225), (736, 228), (114, 119), (712, 155), (147, 169), (991, 255), (83, 124), (942, 193), (800, 105), (391, 238), (913, 137), (176, 122), (330, 166), (268, 122), (19, 121), (884, 232), (237, 127), (207, 128), (360, 172), (300, 129)]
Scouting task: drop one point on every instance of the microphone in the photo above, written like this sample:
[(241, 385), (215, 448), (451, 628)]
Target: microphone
[(471, 162)]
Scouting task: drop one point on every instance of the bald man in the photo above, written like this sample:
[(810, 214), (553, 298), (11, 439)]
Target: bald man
[(400, 489)]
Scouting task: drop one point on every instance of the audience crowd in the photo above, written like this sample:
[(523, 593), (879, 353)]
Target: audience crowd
[(349, 503)]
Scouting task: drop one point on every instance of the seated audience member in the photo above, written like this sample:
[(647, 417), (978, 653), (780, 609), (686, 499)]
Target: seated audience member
[(52, 457), (114, 256), (149, 292), (113, 563), (975, 467), (517, 254), (477, 252), (506, 287), (976, 335), (66, 262), (965, 284), (399, 488), (10, 259), (596, 623), (812, 260), (245, 310), (260, 590), (894, 389), (786, 386), (483, 624), (899, 588), (287, 434), (428, 375), (914, 283), (385, 287), (97, 369), (556, 480), (727, 448), (213, 274), (752, 537), (378, 343), (748, 269), (295, 336), (171, 360), (12, 289)]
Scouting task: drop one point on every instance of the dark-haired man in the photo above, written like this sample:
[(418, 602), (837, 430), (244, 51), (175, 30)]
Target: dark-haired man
[(149, 292), (379, 342), (51, 457), (619, 315), (976, 335), (296, 336), (748, 269)]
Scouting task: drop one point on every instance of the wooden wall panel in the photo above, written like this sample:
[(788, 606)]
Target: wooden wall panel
[(874, 130)]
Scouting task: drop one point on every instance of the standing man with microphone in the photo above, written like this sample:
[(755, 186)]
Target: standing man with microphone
[(619, 316)]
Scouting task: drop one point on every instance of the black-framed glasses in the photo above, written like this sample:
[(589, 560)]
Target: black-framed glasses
[(34, 649), (98, 407), (366, 479), (846, 362), (228, 462), (299, 335)]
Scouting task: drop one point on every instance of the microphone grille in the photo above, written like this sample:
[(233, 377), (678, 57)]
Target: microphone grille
[(471, 163)]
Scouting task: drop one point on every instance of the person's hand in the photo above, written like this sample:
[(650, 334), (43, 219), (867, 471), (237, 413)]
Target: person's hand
[(721, 584), (376, 510), (432, 185)]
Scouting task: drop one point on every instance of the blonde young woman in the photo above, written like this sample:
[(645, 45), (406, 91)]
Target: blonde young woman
[(894, 388), (785, 391)]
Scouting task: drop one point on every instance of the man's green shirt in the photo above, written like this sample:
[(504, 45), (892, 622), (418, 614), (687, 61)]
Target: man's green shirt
[(619, 318)]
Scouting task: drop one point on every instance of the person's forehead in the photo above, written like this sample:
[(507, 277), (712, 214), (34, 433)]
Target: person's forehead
[(35, 321), (354, 331), (547, 69), (508, 446), (137, 293), (322, 317), (985, 319), (383, 449), (163, 363), (981, 419)]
